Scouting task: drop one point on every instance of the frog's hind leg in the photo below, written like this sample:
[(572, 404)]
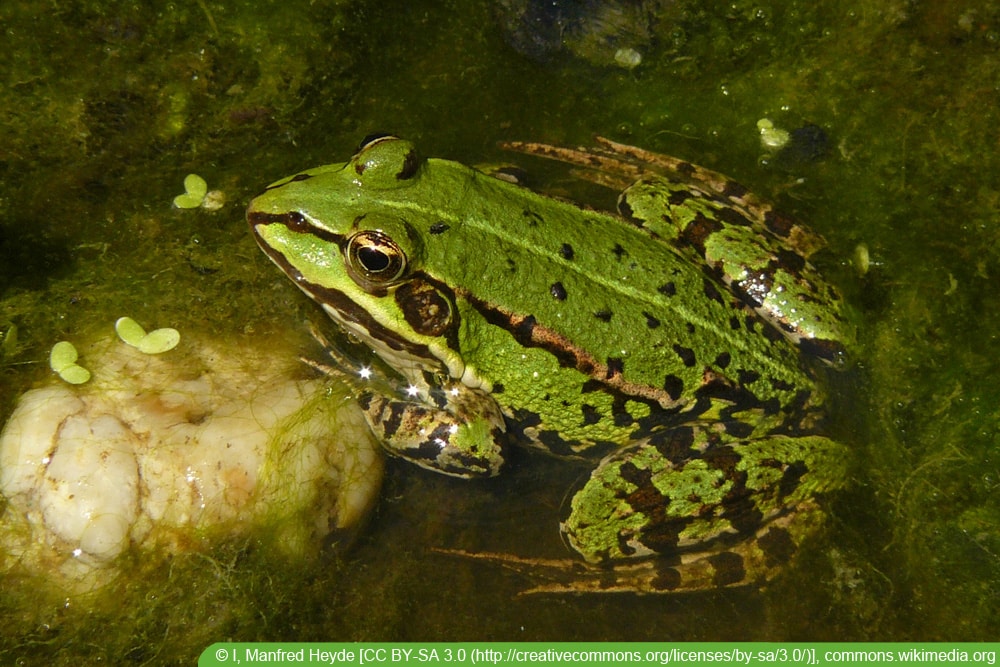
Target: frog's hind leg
[(751, 562), (730, 515)]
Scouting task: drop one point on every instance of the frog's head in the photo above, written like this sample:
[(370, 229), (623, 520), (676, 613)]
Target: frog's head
[(347, 235)]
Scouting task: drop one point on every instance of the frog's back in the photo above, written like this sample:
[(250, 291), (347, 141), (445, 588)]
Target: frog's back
[(566, 296)]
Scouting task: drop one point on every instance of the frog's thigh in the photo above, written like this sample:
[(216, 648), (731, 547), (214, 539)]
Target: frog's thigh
[(467, 445), (752, 500)]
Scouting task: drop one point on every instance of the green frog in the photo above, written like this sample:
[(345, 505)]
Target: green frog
[(671, 344)]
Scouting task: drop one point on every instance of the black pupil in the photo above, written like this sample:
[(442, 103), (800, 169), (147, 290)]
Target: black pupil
[(374, 260)]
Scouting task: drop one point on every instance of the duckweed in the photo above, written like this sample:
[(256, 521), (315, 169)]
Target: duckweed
[(63, 358), (154, 342)]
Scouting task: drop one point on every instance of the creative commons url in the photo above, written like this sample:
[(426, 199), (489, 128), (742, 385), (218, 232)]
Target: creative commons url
[(591, 653)]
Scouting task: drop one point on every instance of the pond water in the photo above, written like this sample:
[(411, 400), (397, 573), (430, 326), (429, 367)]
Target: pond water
[(108, 106)]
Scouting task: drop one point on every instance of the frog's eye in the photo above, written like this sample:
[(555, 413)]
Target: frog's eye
[(385, 161), (374, 259)]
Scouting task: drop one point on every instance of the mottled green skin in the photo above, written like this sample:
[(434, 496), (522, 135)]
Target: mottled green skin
[(591, 337)]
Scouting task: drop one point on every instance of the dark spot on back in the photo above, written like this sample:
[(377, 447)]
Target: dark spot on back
[(525, 329), (712, 292), (533, 218), (686, 354), (557, 291), (782, 385), (674, 445), (674, 386), (590, 414), (622, 418), (566, 250)]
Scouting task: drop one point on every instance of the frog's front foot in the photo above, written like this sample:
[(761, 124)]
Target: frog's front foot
[(463, 440)]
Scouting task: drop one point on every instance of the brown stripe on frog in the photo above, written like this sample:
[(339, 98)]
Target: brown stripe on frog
[(295, 222), (348, 311), (529, 333)]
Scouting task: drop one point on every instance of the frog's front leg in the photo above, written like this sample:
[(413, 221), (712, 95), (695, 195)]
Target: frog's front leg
[(732, 514), (456, 431)]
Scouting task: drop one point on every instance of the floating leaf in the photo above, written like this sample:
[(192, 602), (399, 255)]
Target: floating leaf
[(154, 342), (195, 188), (160, 340), (129, 331), (195, 185), (62, 356), (75, 374)]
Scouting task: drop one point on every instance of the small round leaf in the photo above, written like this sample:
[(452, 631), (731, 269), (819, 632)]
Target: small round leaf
[(129, 331), (161, 340), (63, 354), (187, 201), (195, 185), (75, 374)]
